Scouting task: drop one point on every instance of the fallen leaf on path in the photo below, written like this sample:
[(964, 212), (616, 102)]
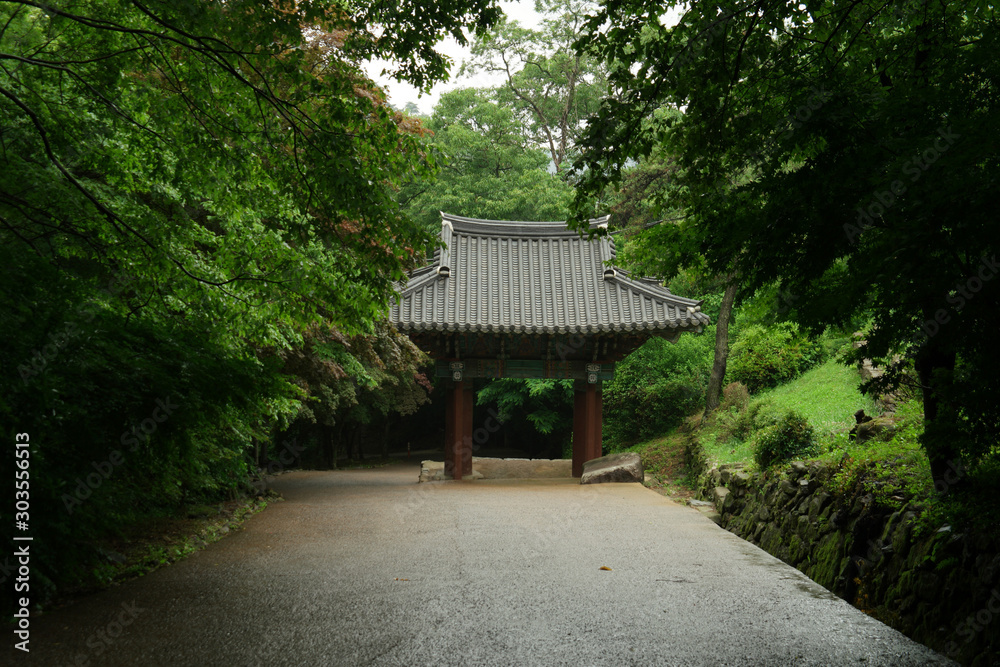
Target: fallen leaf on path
[(398, 579), (605, 567)]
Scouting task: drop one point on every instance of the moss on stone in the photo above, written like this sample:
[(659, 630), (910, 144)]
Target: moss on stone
[(826, 560)]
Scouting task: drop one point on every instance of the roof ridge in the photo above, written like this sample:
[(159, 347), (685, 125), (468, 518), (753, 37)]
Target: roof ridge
[(515, 228)]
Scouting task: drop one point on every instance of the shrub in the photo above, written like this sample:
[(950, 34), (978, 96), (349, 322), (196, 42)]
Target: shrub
[(764, 357), (789, 437), (655, 388), (735, 395), (741, 424), (644, 411)]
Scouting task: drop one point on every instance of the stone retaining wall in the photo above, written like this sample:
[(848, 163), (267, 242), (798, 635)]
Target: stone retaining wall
[(941, 589)]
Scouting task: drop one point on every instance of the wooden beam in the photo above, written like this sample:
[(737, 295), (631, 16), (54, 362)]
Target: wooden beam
[(523, 368)]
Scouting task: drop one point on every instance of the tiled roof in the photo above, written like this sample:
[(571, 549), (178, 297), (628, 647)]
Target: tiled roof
[(534, 277)]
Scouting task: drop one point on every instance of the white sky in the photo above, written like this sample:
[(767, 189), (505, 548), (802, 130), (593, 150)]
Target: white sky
[(522, 11)]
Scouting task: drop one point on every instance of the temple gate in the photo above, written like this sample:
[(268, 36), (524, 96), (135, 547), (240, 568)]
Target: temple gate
[(531, 300)]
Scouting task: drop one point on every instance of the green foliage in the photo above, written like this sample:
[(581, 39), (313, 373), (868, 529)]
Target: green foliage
[(735, 395), (490, 167), (789, 437), (663, 460), (741, 423), (827, 395), (655, 388), (855, 128), (551, 88), (190, 193), (876, 460), (545, 405), (765, 357)]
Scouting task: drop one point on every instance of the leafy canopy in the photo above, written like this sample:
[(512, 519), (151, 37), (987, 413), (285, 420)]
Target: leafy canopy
[(230, 158), (551, 87), (490, 169), (865, 131)]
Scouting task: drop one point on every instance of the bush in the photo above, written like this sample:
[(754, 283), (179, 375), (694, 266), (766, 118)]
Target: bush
[(789, 437), (741, 424), (735, 395), (655, 388), (764, 357)]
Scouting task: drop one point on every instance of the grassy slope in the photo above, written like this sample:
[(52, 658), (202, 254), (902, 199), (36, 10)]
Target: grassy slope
[(663, 460), (827, 396)]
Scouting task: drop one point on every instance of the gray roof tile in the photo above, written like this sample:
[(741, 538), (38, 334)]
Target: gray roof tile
[(534, 277)]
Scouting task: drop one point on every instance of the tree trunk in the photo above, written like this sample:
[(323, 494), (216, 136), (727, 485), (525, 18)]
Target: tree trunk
[(942, 433), (359, 441), (325, 438), (260, 453), (355, 447), (336, 439), (721, 348)]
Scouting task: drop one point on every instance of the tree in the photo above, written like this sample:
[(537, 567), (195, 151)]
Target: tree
[(550, 86), (658, 242), (188, 189), (197, 144), (866, 129), (490, 167), (350, 383)]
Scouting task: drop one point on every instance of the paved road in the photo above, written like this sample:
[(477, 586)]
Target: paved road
[(368, 568)]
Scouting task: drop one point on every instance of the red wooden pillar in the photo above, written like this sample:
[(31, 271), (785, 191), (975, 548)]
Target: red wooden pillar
[(458, 430), (588, 403)]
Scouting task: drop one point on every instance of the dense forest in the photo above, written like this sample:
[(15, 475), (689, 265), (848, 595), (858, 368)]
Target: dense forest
[(206, 208)]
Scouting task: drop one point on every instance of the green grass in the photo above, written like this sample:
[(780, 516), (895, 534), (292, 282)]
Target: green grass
[(827, 396), (663, 461), (892, 468), (723, 449)]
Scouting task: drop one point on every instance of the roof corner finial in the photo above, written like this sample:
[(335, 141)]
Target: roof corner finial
[(445, 222), (447, 232)]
